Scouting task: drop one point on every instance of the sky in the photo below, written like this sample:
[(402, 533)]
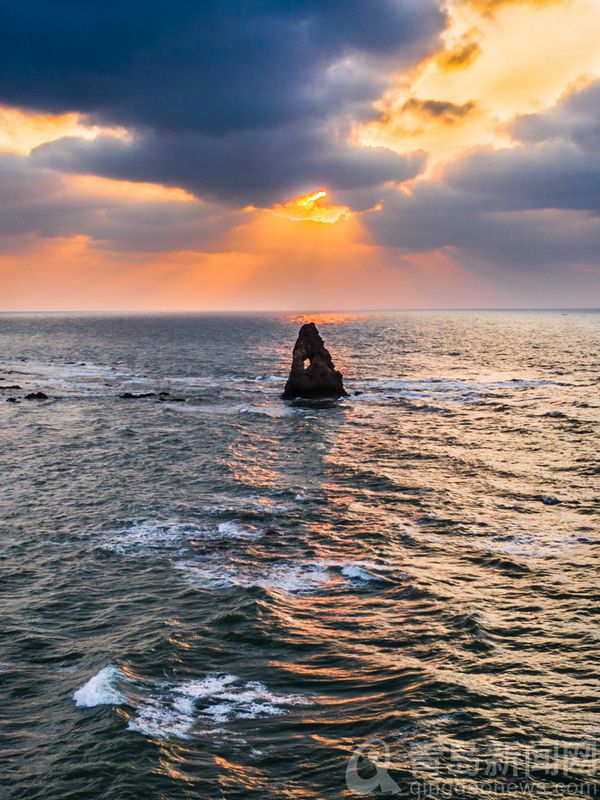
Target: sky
[(300, 155)]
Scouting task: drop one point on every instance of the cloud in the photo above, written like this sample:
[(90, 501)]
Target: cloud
[(244, 102), (545, 176), (489, 69), (437, 217), (212, 67), (575, 120), (532, 206), (256, 167), (490, 6), (42, 202), (557, 165), (248, 105), (461, 55), (439, 109)]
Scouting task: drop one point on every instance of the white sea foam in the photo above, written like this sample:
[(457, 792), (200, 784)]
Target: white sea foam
[(161, 722), (290, 578), (101, 689), (178, 709), (294, 579), (148, 535), (87, 370), (207, 575), (357, 572), (233, 530), (265, 505), (173, 536), (274, 411), (442, 389)]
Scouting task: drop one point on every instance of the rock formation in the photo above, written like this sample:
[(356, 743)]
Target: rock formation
[(313, 374), (163, 397)]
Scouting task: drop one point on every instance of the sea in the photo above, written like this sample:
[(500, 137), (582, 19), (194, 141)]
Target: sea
[(209, 592)]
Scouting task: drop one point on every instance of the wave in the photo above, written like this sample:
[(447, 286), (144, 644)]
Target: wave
[(451, 390), (292, 578), (101, 689), (147, 536), (178, 709)]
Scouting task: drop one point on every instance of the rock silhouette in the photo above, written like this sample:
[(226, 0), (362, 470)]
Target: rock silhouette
[(318, 378), (163, 397)]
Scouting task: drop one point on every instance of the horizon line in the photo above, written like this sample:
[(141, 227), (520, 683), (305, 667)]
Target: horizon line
[(229, 311)]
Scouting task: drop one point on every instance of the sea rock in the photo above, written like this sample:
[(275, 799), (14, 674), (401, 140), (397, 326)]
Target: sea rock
[(318, 378), (36, 396), (162, 397), (549, 500), (132, 396)]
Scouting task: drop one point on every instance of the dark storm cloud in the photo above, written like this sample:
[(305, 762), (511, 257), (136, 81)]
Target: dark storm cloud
[(213, 89), (239, 168), (212, 66)]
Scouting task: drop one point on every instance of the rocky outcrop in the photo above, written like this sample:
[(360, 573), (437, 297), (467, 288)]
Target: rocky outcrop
[(163, 397), (313, 374), (132, 396)]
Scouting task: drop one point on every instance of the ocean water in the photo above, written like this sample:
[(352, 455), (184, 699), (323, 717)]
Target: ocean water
[(234, 597)]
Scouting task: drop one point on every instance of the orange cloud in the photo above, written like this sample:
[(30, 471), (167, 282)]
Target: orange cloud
[(126, 191), (490, 6), (460, 55), (22, 130), (521, 59)]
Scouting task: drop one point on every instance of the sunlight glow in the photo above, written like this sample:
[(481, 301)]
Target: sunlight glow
[(311, 208)]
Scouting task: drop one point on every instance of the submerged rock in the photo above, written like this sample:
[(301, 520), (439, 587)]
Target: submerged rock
[(162, 397), (167, 397), (548, 500), (313, 374), (36, 396), (132, 396)]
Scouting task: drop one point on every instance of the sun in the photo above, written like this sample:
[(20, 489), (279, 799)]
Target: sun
[(311, 208)]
